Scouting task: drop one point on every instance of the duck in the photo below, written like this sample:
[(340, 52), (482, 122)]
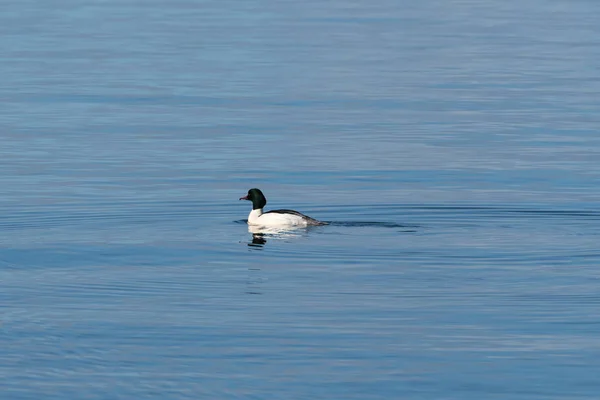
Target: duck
[(275, 218)]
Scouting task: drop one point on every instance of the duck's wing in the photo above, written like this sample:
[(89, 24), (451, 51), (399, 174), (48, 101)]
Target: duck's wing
[(309, 220)]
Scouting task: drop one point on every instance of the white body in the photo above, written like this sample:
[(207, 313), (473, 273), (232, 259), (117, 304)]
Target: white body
[(257, 217)]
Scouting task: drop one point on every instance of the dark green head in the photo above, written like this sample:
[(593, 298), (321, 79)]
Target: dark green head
[(256, 197)]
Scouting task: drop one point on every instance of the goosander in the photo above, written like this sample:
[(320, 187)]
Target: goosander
[(275, 218)]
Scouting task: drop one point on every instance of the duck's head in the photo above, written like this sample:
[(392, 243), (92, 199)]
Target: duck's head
[(256, 197)]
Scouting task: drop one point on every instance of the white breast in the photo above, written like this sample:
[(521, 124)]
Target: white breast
[(257, 217)]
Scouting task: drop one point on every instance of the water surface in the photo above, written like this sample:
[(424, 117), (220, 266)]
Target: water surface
[(452, 145)]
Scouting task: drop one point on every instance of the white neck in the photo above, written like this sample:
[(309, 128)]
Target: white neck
[(253, 216)]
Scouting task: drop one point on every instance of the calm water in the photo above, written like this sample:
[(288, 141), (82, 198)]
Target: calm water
[(453, 145)]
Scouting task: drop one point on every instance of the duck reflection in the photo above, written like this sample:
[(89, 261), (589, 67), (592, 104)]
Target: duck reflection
[(258, 240), (261, 233)]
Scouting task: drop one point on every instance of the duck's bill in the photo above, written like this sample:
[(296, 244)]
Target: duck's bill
[(244, 198)]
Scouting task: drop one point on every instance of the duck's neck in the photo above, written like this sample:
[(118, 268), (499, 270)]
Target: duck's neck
[(254, 214)]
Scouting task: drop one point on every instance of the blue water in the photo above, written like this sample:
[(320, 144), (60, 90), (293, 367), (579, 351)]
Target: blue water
[(453, 145)]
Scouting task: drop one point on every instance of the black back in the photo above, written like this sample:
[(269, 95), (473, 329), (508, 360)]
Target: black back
[(284, 211), (309, 220)]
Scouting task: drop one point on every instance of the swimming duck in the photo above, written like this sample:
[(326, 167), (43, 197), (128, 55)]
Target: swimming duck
[(275, 218)]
